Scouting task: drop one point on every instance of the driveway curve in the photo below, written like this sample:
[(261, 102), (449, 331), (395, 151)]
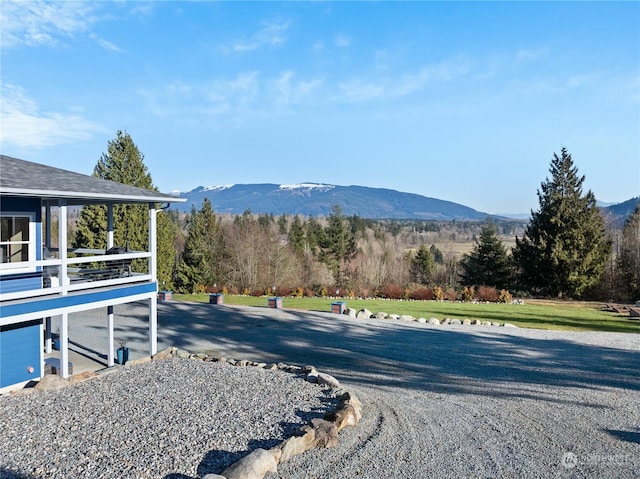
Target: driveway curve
[(439, 401)]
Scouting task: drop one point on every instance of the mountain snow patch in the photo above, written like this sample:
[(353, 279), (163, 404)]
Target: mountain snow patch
[(217, 188), (307, 186)]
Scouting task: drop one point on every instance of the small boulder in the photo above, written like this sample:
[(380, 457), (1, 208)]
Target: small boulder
[(421, 320), (364, 314), (381, 315), (407, 317), (509, 325), (455, 322), (394, 316), (298, 444), (328, 380), (466, 322), (255, 465), (51, 382), (433, 321), (326, 433)]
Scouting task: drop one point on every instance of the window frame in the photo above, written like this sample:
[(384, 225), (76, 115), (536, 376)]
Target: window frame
[(21, 266)]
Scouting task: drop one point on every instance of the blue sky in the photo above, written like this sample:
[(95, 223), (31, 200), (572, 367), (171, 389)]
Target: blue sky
[(465, 102)]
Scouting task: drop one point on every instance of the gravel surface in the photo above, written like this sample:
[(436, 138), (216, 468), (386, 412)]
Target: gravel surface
[(176, 418), (438, 401)]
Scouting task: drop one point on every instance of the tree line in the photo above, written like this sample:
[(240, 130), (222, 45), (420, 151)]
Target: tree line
[(565, 250)]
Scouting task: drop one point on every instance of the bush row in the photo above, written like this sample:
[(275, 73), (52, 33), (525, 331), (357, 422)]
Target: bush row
[(389, 291)]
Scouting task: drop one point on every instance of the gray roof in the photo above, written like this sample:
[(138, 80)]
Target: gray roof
[(24, 178)]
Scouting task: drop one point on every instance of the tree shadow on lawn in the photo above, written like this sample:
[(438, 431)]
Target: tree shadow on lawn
[(488, 361)]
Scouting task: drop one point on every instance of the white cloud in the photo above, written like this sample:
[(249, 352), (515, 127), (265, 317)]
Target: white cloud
[(342, 41), (24, 126), (45, 23), (272, 34)]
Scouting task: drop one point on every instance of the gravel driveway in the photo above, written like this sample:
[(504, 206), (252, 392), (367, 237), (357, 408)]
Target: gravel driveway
[(439, 401)]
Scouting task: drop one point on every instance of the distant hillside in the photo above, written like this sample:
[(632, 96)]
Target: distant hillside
[(618, 214), (314, 199)]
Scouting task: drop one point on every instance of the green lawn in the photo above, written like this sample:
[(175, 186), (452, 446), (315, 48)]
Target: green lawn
[(539, 314)]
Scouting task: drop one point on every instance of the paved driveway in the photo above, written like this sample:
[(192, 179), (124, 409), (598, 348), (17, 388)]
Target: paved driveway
[(440, 401)]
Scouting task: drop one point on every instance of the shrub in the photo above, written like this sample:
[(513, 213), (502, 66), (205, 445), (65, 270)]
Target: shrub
[(234, 290), (438, 294), (468, 293), (393, 291), (421, 294), (451, 295), (323, 291), (505, 296), (283, 291), (299, 292), (257, 293), (364, 292), (487, 293), (211, 289), (309, 293), (246, 292)]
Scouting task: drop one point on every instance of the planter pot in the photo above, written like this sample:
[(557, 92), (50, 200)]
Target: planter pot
[(165, 295), (123, 355), (216, 298)]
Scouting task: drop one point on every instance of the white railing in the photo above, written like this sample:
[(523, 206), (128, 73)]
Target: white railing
[(112, 270)]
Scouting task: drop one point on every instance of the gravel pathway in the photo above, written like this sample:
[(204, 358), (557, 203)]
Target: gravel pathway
[(438, 401), (172, 419)]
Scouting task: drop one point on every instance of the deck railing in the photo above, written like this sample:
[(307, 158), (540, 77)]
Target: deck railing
[(83, 269)]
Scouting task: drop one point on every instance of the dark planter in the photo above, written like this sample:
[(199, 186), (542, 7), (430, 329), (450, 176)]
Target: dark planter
[(56, 344), (216, 298), (123, 355)]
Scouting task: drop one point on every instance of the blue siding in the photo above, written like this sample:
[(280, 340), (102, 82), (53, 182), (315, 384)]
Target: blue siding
[(19, 350), (20, 282), (57, 302)]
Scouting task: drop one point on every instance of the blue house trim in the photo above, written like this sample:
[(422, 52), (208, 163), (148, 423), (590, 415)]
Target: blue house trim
[(49, 306)]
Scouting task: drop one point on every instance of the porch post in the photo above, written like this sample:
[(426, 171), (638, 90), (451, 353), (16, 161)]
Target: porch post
[(47, 334), (109, 225), (62, 244), (47, 231), (110, 359), (64, 345), (153, 302)]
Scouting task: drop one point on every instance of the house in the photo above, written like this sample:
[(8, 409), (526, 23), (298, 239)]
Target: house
[(39, 280)]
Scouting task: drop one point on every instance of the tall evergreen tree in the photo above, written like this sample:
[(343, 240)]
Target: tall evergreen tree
[(296, 235), (629, 258), (124, 163), (421, 266), (565, 244), (488, 262), (338, 245), (202, 260)]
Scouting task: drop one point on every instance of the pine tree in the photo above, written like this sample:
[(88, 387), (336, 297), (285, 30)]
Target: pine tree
[(338, 245), (422, 264), (202, 261), (296, 235), (123, 163), (488, 262), (629, 258), (565, 245)]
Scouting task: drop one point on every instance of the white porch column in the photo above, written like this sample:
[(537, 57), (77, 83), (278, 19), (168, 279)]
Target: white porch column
[(153, 302), (62, 244), (47, 335), (47, 231), (153, 326), (110, 347), (109, 225), (64, 345)]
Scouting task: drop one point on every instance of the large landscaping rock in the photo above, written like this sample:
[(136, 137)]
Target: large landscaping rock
[(255, 465)]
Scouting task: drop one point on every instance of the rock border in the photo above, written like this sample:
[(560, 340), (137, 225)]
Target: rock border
[(318, 433), (364, 313)]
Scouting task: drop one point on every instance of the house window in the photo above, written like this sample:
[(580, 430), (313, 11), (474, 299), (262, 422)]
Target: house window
[(17, 238)]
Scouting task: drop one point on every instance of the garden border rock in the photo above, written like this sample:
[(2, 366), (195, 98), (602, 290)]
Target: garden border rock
[(318, 433)]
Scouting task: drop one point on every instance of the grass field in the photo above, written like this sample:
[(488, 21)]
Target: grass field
[(539, 314)]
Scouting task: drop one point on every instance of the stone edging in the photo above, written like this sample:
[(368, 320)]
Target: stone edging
[(366, 314), (320, 432)]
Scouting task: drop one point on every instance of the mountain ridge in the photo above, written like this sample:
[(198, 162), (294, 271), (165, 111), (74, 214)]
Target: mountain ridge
[(317, 199)]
